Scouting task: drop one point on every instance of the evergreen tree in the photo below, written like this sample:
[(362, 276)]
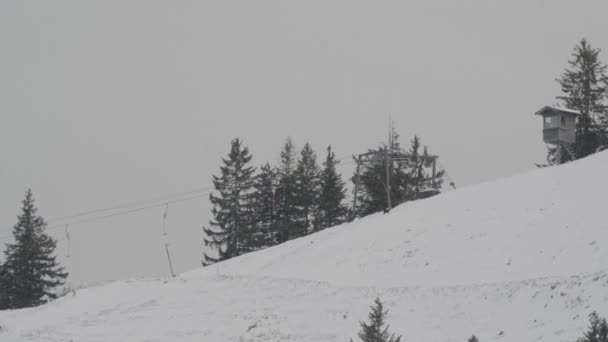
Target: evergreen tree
[(30, 272), (584, 85), (231, 230), (418, 165), (307, 181), (286, 194), (372, 191), (598, 329), (264, 207), (473, 339), (375, 331), (331, 210)]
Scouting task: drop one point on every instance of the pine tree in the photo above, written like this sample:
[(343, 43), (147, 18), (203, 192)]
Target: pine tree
[(598, 329), (231, 230), (331, 210), (286, 194), (372, 192), (473, 339), (584, 85), (264, 207), (307, 181), (375, 331), (30, 272), (419, 177)]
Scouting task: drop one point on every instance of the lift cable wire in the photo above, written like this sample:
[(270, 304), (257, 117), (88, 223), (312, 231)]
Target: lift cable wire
[(126, 205), (119, 213)]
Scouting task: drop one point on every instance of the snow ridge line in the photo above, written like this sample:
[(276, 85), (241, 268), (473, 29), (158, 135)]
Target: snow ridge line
[(552, 281)]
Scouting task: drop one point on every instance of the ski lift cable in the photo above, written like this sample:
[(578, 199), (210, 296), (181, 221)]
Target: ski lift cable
[(119, 213), (126, 205), (141, 208)]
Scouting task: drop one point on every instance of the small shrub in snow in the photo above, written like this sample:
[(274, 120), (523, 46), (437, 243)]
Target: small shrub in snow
[(597, 331), (375, 331)]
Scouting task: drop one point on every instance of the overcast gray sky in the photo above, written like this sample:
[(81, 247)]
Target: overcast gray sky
[(107, 102)]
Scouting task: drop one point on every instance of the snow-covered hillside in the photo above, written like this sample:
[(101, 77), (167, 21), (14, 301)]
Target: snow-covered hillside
[(520, 259)]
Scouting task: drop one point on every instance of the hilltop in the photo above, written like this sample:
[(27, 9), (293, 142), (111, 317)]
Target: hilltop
[(518, 259)]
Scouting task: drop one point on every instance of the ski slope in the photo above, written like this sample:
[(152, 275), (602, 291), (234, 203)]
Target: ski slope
[(519, 259)]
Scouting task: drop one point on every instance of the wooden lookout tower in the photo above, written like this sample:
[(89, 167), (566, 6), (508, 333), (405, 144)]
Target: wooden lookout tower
[(559, 129)]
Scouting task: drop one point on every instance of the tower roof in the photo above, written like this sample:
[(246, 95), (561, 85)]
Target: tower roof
[(553, 109)]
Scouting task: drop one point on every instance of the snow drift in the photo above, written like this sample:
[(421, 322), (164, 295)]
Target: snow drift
[(519, 259)]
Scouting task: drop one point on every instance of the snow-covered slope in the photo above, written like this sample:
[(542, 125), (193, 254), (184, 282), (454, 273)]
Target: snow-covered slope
[(550, 222), (520, 259)]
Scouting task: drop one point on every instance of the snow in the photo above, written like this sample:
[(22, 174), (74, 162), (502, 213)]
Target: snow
[(558, 109), (519, 259)]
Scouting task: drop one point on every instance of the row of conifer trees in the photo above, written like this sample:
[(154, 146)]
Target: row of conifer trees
[(254, 209), (278, 203)]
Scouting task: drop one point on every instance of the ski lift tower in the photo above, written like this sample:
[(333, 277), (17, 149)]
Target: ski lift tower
[(559, 129)]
